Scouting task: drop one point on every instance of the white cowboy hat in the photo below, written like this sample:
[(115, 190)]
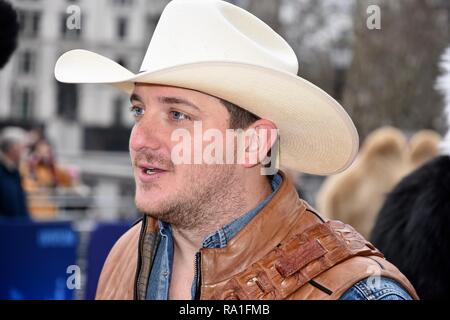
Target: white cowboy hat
[(222, 50)]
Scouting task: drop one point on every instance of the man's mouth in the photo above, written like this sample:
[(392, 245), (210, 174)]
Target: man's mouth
[(151, 170), (148, 169)]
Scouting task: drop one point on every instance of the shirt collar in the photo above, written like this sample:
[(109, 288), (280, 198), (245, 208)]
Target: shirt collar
[(220, 237)]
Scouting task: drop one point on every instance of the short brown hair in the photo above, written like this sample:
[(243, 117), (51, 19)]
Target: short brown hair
[(239, 118), (242, 119)]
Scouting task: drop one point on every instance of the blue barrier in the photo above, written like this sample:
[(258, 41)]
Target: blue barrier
[(35, 260)]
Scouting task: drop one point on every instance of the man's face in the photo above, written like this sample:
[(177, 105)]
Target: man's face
[(169, 192)]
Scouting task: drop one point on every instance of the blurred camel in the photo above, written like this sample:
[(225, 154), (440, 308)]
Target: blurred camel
[(356, 195)]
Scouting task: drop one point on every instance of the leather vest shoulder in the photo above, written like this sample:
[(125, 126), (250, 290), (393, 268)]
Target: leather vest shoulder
[(125, 271), (321, 262), (117, 278)]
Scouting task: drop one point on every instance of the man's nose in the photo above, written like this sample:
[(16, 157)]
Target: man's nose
[(147, 133)]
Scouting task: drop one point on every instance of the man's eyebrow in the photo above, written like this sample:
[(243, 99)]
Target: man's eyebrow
[(135, 97), (177, 100)]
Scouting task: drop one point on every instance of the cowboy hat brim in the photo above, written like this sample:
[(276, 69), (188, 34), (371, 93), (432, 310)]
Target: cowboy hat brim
[(316, 134)]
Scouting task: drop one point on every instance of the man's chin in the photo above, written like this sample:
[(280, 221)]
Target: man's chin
[(158, 213), (145, 194), (151, 208)]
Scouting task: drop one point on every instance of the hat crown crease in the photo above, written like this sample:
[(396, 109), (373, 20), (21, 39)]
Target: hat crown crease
[(215, 31)]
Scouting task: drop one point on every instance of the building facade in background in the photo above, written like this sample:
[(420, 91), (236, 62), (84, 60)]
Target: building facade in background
[(75, 117), (88, 125)]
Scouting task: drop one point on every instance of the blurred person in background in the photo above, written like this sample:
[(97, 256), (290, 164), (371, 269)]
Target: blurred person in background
[(42, 180), (12, 149), (412, 226)]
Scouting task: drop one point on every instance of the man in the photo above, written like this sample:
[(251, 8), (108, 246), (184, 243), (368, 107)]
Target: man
[(217, 223), (12, 196)]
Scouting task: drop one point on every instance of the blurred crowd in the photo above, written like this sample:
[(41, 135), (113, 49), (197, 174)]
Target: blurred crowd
[(32, 183)]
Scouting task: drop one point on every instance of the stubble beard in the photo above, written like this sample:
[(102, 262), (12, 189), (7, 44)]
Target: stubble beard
[(212, 195)]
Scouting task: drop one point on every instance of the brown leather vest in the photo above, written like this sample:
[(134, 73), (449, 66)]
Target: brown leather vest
[(286, 252)]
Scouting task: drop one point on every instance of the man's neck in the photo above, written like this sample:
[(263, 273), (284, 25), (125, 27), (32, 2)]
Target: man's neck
[(250, 193), (188, 242)]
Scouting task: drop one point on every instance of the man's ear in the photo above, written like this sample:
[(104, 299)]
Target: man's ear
[(259, 139)]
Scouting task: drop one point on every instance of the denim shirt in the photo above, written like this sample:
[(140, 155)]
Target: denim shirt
[(160, 274)]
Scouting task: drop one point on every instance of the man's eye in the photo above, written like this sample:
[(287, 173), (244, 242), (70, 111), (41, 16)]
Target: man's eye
[(179, 116), (137, 111)]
